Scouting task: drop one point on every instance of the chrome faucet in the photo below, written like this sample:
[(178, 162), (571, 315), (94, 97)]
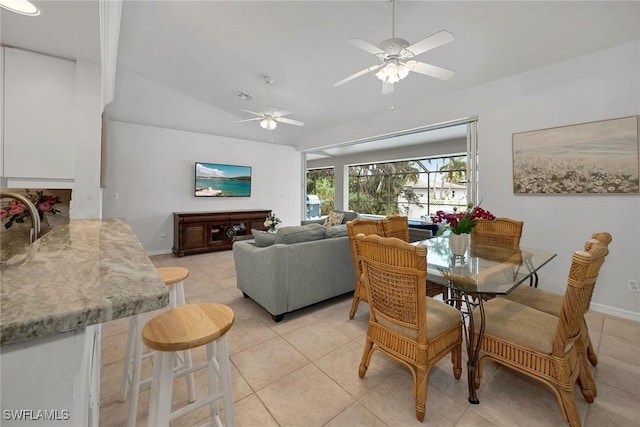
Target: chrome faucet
[(33, 211)]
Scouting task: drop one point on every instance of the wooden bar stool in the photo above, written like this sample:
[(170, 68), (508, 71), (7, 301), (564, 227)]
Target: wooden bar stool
[(174, 278), (184, 328)]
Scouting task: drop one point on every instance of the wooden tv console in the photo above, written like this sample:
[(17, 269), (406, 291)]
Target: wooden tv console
[(196, 232)]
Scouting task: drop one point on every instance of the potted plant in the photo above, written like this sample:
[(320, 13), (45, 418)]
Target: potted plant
[(461, 224), (272, 223)]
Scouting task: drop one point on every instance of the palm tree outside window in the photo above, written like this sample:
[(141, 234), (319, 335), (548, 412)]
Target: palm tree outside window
[(416, 188)]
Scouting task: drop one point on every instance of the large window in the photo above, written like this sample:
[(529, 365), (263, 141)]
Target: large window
[(320, 192), (416, 188), (438, 171)]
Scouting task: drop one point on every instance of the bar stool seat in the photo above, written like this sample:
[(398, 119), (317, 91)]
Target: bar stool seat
[(173, 277), (185, 328)]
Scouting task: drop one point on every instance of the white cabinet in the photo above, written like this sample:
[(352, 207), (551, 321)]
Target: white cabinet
[(39, 100), (52, 380)]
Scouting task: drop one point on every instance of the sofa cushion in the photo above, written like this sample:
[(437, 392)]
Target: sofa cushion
[(299, 233), (335, 231), (263, 238), (334, 218)]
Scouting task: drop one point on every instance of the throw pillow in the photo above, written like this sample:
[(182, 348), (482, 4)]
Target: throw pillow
[(333, 218), (263, 239), (348, 216), (335, 231), (299, 233)]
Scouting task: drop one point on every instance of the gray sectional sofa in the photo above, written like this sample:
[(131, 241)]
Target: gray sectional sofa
[(294, 268)]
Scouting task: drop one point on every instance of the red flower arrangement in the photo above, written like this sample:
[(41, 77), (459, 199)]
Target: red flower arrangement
[(17, 212), (462, 222)]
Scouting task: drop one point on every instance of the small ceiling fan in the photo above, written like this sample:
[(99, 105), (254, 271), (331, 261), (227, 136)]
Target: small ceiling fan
[(396, 54), (270, 116)]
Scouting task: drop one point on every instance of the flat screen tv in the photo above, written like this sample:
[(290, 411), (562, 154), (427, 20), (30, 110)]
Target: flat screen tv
[(218, 180)]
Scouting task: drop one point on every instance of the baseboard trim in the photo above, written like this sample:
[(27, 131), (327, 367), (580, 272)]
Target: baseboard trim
[(159, 252), (617, 312)]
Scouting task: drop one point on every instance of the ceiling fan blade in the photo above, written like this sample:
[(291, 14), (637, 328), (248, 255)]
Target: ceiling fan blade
[(249, 120), (252, 112), (281, 113), (387, 88), (358, 74), (366, 46), (431, 42), (289, 121), (430, 70)]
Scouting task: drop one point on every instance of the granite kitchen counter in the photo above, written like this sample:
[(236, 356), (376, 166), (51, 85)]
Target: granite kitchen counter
[(81, 274)]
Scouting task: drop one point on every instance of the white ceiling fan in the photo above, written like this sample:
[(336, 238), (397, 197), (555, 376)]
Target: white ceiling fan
[(270, 116), (396, 53)]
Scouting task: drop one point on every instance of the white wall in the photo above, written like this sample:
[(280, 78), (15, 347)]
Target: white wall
[(151, 170), (594, 87), (598, 86), (86, 200)]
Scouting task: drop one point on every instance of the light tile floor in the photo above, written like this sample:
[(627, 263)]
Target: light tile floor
[(303, 371)]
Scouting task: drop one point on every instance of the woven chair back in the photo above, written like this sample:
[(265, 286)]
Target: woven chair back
[(395, 277), (585, 267), (603, 238), (499, 232), (364, 226), (496, 253), (396, 226)]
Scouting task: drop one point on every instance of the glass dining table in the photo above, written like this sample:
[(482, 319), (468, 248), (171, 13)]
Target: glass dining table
[(483, 272)]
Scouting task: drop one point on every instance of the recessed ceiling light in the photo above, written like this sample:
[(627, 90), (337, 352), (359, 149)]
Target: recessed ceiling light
[(23, 7)]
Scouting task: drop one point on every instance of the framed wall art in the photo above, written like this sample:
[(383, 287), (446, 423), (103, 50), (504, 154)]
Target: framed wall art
[(594, 158), (220, 180)]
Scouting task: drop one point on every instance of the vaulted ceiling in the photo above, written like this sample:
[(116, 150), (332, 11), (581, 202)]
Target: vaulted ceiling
[(209, 51)]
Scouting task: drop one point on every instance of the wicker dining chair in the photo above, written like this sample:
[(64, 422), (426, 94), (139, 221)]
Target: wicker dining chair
[(498, 232), (404, 323), (543, 346), (354, 227), (551, 302), (398, 226)]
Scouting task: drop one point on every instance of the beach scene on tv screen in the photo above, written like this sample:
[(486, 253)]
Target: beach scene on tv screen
[(218, 180)]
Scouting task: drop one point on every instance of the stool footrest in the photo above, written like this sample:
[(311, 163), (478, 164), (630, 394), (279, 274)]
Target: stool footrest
[(179, 370), (186, 371), (195, 405)]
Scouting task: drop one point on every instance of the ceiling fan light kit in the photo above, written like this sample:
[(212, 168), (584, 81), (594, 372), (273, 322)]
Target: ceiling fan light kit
[(393, 72), (396, 55), (270, 117), (268, 123)]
